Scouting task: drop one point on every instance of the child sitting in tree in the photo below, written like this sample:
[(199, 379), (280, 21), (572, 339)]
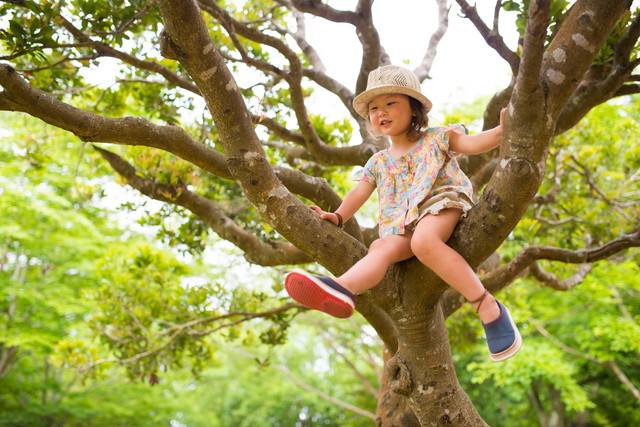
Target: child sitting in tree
[(423, 194)]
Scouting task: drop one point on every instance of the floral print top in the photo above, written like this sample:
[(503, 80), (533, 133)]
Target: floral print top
[(430, 168)]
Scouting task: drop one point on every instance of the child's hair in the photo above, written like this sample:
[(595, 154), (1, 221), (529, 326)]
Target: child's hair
[(419, 122)]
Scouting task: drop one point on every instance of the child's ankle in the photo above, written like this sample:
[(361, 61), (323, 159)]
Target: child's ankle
[(489, 309), (345, 285)]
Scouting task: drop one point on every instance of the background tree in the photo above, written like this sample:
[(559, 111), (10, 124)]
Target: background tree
[(227, 169), (52, 236)]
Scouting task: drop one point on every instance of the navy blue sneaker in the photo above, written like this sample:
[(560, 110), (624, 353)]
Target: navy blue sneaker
[(503, 337), (320, 293)]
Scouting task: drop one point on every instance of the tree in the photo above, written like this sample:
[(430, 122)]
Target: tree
[(52, 236), (570, 58)]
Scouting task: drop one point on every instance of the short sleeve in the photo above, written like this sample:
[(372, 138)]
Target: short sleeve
[(443, 141), (367, 173)]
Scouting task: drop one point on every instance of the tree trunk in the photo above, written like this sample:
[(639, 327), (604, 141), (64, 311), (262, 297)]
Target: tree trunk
[(422, 370), (393, 409), (556, 416)]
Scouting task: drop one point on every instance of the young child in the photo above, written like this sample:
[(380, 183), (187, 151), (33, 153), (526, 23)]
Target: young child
[(423, 194)]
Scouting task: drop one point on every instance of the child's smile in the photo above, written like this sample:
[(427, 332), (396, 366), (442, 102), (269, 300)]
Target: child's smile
[(390, 114)]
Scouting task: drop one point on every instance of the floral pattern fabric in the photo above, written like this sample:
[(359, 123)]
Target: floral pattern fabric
[(430, 168)]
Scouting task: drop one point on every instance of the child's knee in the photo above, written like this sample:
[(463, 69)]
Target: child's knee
[(390, 248), (425, 247), (378, 247)]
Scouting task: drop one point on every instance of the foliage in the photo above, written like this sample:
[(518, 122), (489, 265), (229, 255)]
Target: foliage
[(592, 177), (52, 236), (598, 319), (243, 391)]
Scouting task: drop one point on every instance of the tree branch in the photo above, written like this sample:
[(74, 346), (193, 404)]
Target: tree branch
[(321, 9), (300, 36), (554, 282), (423, 70), (572, 51), (369, 38), (603, 81), (351, 155), (533, 253), (323, 395), (528, 76), (491, 36), (104, 49), (256, 251), (503, 276), (178, 330), (20, 96)]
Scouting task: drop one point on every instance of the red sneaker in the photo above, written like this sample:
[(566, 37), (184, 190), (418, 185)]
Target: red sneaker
[(320, 293)]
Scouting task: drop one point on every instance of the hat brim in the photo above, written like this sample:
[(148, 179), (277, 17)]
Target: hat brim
[(361, 102)]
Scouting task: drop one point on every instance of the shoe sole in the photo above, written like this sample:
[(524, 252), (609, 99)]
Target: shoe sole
[(313, 293), (515, 347)]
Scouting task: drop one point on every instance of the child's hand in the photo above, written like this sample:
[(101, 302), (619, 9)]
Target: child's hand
[(328, 216)]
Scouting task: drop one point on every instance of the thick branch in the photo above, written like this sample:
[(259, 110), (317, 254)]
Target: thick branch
[(603, 81), (20, 96), (528, 77), (572, 51), (256, 250)]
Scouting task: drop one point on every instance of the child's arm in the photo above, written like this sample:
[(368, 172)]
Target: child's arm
[(354, 199), (476, 144)]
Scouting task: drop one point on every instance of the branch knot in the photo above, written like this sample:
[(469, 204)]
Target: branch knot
[(399, 375), (168, 48)]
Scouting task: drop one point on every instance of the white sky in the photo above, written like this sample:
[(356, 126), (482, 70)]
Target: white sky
[(465, 67)]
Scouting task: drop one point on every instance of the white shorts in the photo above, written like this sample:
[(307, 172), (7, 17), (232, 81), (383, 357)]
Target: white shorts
[(446, 200)]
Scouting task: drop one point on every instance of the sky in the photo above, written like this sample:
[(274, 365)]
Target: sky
[(465, 68)]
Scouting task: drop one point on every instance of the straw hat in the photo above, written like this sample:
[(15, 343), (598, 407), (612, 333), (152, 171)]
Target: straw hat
[(389, 79)]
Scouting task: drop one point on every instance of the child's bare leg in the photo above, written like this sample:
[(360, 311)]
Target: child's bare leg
[(370, 270), (428, 245)]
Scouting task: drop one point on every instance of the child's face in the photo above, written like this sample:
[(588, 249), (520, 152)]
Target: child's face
[(390, 114)]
